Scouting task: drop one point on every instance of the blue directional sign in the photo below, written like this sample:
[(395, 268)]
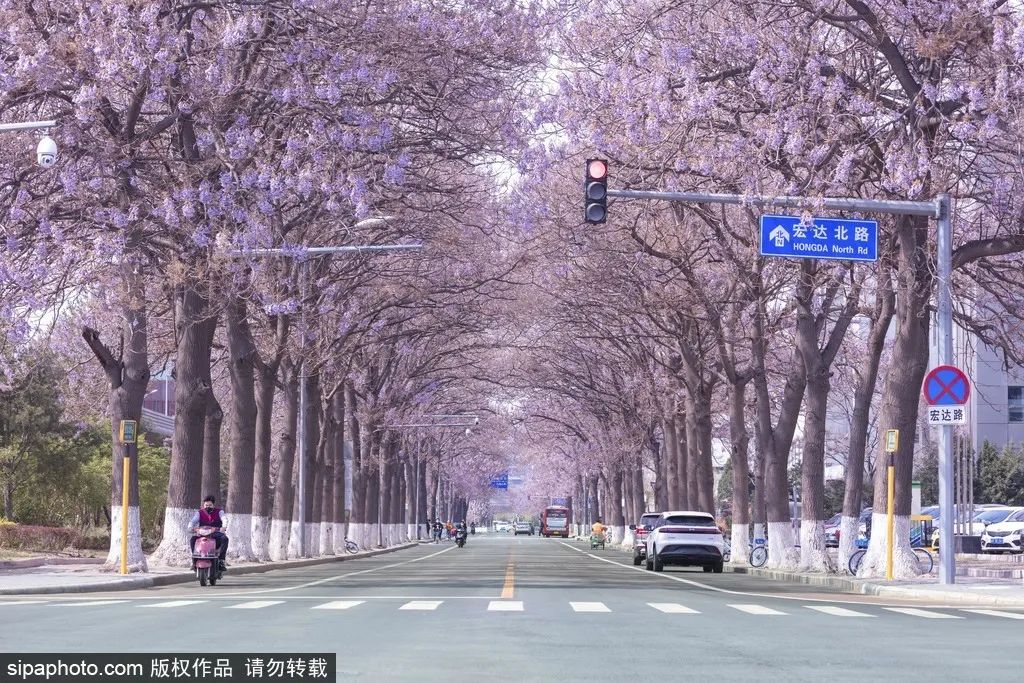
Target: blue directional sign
[(838, 239), (500, 482)]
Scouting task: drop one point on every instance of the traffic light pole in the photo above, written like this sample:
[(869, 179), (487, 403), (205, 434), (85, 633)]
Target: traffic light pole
[(940, 209)]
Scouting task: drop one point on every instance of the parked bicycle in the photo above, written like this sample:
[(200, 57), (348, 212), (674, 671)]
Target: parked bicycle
[(351, 546), (925, 560), (759, 553)]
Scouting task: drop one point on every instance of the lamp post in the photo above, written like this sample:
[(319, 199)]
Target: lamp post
[(303, 286)]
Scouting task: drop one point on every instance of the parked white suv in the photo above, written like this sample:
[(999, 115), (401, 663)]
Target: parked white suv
[(685, 538)]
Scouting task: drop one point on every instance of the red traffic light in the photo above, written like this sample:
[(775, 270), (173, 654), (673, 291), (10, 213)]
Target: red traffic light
[(597, 169)]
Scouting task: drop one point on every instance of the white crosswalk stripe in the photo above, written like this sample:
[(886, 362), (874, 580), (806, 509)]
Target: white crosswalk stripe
[(997, 613), (255, 604), (589, 607), (759, 610), (175, 603), (87, 603), (425, 605), (24, 602), (924, 614), (505, 606), (672, 608), (838, 611), (339, 604)]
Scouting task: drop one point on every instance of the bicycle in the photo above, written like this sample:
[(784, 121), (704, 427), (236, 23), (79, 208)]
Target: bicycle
[(351, 546), (925, 560), (759, 554)]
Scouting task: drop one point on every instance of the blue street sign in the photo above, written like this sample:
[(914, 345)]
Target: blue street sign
[(839, 239), (946, 385), (500, 482)]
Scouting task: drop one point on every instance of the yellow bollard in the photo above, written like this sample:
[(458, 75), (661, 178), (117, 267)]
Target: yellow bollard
[(890, 509), (126, 473)]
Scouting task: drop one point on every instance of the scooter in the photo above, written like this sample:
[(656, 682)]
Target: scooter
[(460, 537), (205, 557)]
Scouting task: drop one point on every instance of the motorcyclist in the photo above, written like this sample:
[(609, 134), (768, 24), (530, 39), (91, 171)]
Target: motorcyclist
[(438, 528), (208, 515), (598, 529), (472, 528), (460, 531)]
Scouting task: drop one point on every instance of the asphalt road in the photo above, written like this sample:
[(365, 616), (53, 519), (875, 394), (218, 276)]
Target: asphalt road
[(532, 609)]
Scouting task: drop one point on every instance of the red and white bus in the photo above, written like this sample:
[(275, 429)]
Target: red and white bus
[(554, 521)]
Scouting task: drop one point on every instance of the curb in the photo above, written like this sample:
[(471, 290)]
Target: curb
[(135, 582), (48, 561), (880, 589)]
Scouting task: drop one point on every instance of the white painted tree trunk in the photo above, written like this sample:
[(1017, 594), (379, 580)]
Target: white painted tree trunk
[(760, 531), (238, 529), (814, 556), (849, 528), (338, 542), (278, 545), (259, 539), (618, 532), (136, 558), (372, 535), (356, 532), (740, 539), (313, 539), (628, 535), (904, 562), (326, 538), (173, 550), (293, 541), (410, 531), (782, 552)]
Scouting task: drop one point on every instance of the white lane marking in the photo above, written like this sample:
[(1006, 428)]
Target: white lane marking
[(339, 604), (175, 603), (997, 613), (426, 605), (24, 602), (759, 610), (338, 577), (672, 608), (589, 607), (87, 603), (505, 606), (837, 611), (749, 594), (255, 604), (924, 614)]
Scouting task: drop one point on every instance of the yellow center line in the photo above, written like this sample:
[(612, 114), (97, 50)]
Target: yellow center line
[(508, 590)]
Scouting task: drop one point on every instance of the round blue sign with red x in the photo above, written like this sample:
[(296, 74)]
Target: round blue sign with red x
[(946, 386)]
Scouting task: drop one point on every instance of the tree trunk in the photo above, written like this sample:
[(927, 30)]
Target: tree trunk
[(901, 395), (244, 415), (867, 379), (338, 479), (191, 391), (211, 450), (284, 490), (659, 455), (670, 458), (616, 518), (358, 520), (692, 458), (128, 378), (309, 456), (739, 439), (814, 556), (682, 456), (262, 492)]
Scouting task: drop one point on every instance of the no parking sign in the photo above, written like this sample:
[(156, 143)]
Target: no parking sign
[(946, 390)]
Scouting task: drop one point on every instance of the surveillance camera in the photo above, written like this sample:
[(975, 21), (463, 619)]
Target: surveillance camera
[(46, 152)]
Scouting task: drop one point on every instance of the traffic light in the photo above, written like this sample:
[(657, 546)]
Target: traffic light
[(595, 190)]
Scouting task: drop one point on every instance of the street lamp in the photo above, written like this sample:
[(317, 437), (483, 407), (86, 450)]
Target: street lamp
[(303, 285), (46, 150)]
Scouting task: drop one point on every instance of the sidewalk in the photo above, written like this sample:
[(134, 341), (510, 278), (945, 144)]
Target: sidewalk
[(63, 575), (970, 590)]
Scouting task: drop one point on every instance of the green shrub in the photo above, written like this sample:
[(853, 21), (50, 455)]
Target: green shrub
[(37, 538)]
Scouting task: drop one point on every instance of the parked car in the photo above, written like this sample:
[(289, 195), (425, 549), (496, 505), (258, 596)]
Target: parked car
[(502, 526), (832, 530), (685, 538), (641, 529), (524, 528), (981, 521), (1005, 536)]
